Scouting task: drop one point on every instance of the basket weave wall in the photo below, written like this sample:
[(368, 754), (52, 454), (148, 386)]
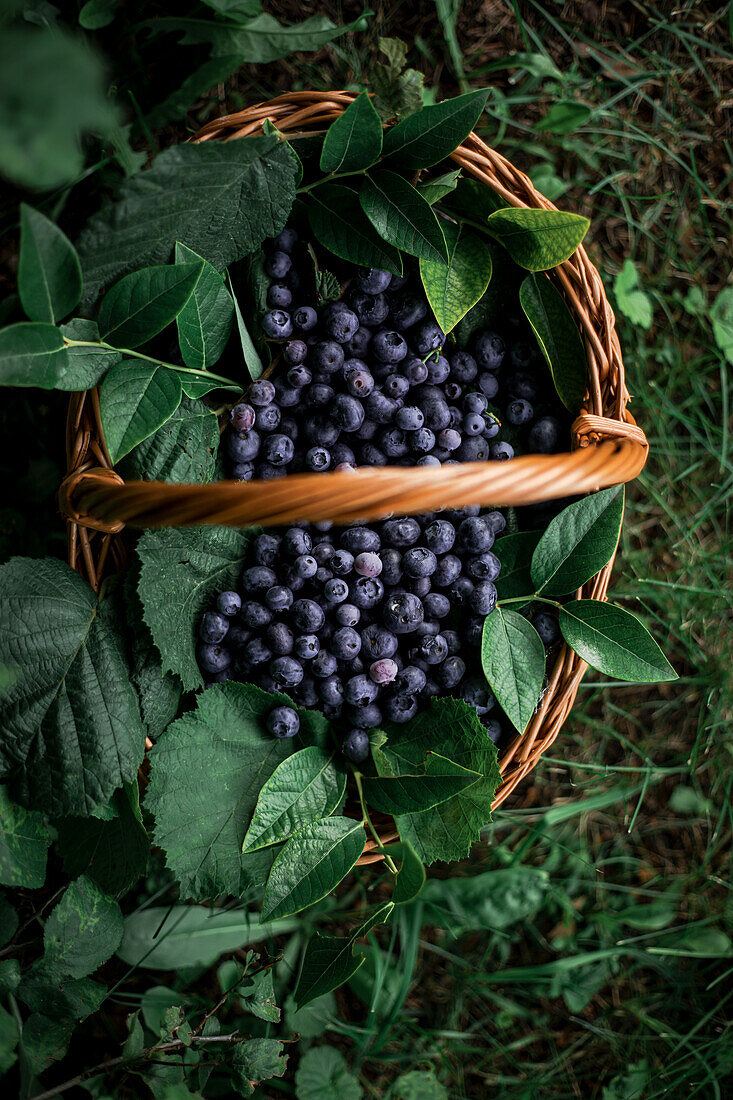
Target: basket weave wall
[(608, 447)]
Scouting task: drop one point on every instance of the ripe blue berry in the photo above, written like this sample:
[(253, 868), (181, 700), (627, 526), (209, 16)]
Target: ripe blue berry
[(410, 418), (214, 627), (546, 625), (483, 598), (328, 356), (428, 337), (346, 643), (501, 451), (384, 671), (489, 351), (544, 436), (463, 367), (307, 616), (519, 412), (277, 324), (372, 281), (279, 296), (213, 658), (242, 417), (283, 722), (229, 603), (278, 264), (400, 708), (418, 561), (305, 318), (341, 325), (389, 347), (317, 459), (336, 590), (356, 746), (402, 612)]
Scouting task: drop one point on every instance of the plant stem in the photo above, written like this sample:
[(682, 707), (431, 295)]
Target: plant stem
[(205, 376), (368, 821), (329, 179)]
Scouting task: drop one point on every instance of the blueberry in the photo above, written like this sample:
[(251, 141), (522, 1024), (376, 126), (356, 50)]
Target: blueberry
[(267, 419), (439, 536), (255, 615), (489, 351), (463, 367), (229, 603), (391, 566), (396, 387), (360, 690), (373, 456), (393, 442), (544, 436), (360, 539), (401, 532), (370, 309), (347, 412), (473, 449), (501, 451), (299, 377), (411, 680), (433, 648), (415, 371), (484, 567), (436, 605), (307, 646), (402, 612), (296, 541), (342, 562), (366, 592), (341, 326), (356, 746), (496, 521), (286, 240), (307, 616), (306, 692), (318, 395), (278, 449), (460, 591), (428, 337), (238, 635), (359, 381), (258, 578), (454, 641), (438, 370), (279, 296), (378, 642), (389, 347), (287, 396), (473, 424), (519, 412), (475, 403), (483, 598), (283, 722), (277, 324), (477, 695), (372, 281), (257, 652), (435, 410), (278, 264), (406, 311), (384, 671), (453, 391), (214, 627), (359, 342), (418, 561), (305, 566), (400, 708), (422, 441), (345, 614), (476, 535), (213, 658), (336, 590), (305, 318), (324, 664), (546, 625), (280, 639), (345, 643), (321, 430), (368, 564), (521, 354), (243, 448), (266, 549), (331, 690), (341, 452), (328, 356), (448, 569), (242, 417), (286, 671), (451, 672), (243, 471), (317, 458), (380, 408), (493, 729)]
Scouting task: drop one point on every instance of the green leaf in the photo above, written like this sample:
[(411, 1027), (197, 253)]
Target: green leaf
[(411, 875), (430, 135), (614, 641), (452, 728), (513, 660), (633, 302), (354, 140), (311, 865), (563, 117), (401, 216), (538, 239), (306, 787), (205, 321), (515, 554), (32, 354), (136, 398), (260, 40), (9, 1037), (487, 902), (222, 199), (143, 303), (473, 200), (721, 315), (181, 573), (45, 1041), (203, 796), (113, 853), (70, 718), (169, 937), (558, 337), (85, 367), (97, 14), (45, 990), (159, 692), (328, 962), (340, 225), (251, 356), (578, 542), (258, 997), (49, 272), (453, 288), (182, 450), (405, 794), (257, 1060), (25, 838), (322, 1074), (419, 1084), (82, 931)]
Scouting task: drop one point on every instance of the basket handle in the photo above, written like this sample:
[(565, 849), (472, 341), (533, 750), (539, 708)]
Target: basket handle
[(608, 452)]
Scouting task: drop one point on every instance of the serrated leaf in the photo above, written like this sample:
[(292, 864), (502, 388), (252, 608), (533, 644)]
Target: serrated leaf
[(49, 272), (32, 354), (633, 302), (328, 288), (45, 1041), (203, 795), (45, 990), (430, 135), (328, 962), (404, 794), (614, 641), (258, 997), (306, 787), (222, 199), (257, 1060), (410, 878), (136, 398), (159, 693), (205, 321), (311, 865), (721, 315), (558, 337), (452, 728), (354, 140), (182, 450), (113, 853), (82, 931), (250, 354), (401, 216), (537, 239), (453, 288), (563, 117), (70, 716), (25, 838), (340, 225), (578, 542), (143, 303), (515, 554), (181, 573), (513, 660), (85, 367), (322, 1074), (435, 190)]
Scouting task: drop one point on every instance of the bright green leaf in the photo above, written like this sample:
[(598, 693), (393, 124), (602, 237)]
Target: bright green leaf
[(305, 787), (401, 216), (32, 354), (578, 542), (135, 399), (328, 962), (558, 337), (430, 135), (49, 272), (258, 997), (312, 864), (25, 839), (513, 660), (614, 641), (410, 878), (251, 356), (633, 302), (143, 303), (205, 321), (354, 140), (453, 288), (340, 225), (435, 190), (405, 794), (537, 239)]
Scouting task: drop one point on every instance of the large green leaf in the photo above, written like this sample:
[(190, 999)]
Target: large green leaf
[(182, 450), (70, 717), (135, 399), (113, 853), (306, 787), (49, 272), (451, 728), (328, 962), (82, 931), (401, 216), (323, 1074), (311, 865), (222, 199), (578, 542), (141, 304), (614, 641), (430, 135), (513, 660), (168, 937), (207, 771), (537, 239), (85, 367), (257, 1060), (453, 288), (32, 354), (181, 573), (205, 321), (354, 140), (25, 838), (558, 338), (404, 794), (515, 554), (340, 225)]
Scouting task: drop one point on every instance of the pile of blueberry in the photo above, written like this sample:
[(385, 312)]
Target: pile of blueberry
[(368, 623)]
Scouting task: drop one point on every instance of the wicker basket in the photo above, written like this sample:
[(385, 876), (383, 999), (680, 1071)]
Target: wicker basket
[(608, 447)]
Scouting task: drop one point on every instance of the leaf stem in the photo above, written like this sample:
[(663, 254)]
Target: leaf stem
[(204, 375), (368, 821), (329, 179)]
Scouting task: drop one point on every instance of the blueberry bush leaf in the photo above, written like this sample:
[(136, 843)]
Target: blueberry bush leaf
[(144, 302), (70, 715), (25, 837), (205, 321), (453, 288), (515, 554), (306, 787), (207, 771), (410, 877), (614, 641), (513, 660), (537, 239), (135, 399), (341, 226), (182, 450), (85, 366), (32, 353), (401, 216), (578, 542), (401, 794), (312, 864), (250, 354), (354, 140), (49, 272), (430, 135), (437, 189), (558, 338)]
